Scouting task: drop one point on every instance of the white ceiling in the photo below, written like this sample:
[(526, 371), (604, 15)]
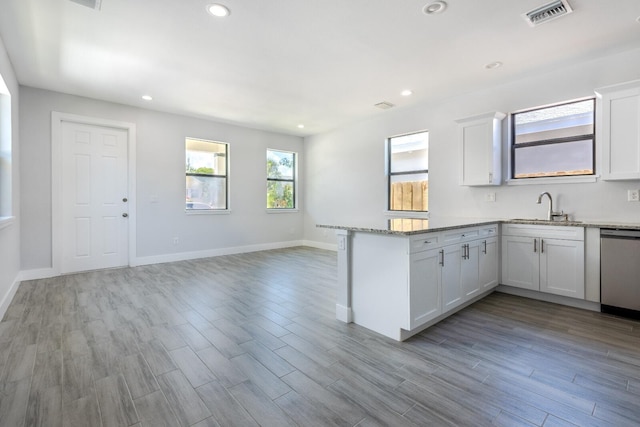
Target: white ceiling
[(273, 64)]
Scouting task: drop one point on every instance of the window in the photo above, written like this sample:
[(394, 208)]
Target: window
[(408, 172), (5, 154), (554, 141), (281, 179), (207, 163)]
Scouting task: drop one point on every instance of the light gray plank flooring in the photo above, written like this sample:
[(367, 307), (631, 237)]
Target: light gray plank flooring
[(251, 339)]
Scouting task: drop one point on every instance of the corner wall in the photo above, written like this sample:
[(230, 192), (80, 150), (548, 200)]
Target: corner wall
[(160, 183)]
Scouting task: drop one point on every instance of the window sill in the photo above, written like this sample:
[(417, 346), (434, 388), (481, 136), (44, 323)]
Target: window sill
[(406, 214), (208, 212), (6, 221), (282, 211), (553, 180)]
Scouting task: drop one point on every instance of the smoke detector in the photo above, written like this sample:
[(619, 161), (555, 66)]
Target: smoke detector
[(548, 12), (93, 4), (384, 105)]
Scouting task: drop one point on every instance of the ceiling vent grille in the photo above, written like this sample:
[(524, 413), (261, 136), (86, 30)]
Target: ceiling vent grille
[(93, 4), (548, 12), (384, 105)]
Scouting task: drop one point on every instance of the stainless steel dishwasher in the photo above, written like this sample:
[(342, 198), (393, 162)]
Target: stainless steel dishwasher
[(620, 272)]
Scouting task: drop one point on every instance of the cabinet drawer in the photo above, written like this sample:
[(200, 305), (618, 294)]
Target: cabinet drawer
[(544, 231), (423, 242), (461, 235)]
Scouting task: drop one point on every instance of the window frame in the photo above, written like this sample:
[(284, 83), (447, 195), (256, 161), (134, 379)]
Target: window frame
[(293, 180), (225, 176), (552, 141), (390, 174)]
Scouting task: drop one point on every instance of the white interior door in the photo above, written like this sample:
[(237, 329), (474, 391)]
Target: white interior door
[(94, 197)]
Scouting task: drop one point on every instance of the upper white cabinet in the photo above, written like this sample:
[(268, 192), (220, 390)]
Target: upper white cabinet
[(481, 149), (618, 130)]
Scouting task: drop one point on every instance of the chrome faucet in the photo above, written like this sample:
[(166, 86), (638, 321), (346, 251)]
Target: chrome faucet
[(551, 214)]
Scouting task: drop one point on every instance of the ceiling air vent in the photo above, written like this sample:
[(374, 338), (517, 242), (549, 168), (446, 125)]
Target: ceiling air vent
[(384, 105), (546, 13), (93, 4)]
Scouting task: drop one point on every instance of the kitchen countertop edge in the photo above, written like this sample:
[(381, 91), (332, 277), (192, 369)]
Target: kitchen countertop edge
[(478, 223)]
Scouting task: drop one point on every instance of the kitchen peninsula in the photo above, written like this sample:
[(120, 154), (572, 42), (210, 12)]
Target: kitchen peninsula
[(401, 277)]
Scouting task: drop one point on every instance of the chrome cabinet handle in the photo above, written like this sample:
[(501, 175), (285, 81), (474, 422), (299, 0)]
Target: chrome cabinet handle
[(541, 246), (442, 257), (484, 251), (535, 245)]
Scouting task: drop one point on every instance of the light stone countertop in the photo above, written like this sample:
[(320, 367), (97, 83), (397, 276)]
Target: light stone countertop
[(410, 226)]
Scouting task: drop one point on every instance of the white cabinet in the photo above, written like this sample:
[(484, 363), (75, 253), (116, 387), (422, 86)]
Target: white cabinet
[(424, 287), (618, 130), (488, 264), (468, 270), (452, 294), (562, 267), (520, 262), (548, 259), (481, 149)]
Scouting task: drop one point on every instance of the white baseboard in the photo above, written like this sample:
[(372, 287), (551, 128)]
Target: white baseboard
[(45, 273), (184, 256), (321, 245), (556, 299), (8, 297), (38, 273)]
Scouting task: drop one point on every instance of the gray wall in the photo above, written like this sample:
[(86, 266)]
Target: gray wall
[(159, 175), (10, 235), (345, 181)]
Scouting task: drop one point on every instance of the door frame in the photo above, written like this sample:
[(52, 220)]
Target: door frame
[(57, 119)]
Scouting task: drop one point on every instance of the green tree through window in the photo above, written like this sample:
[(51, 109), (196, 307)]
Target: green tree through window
[(281, 183)]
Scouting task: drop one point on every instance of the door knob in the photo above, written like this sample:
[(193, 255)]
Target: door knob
[(125, 215)]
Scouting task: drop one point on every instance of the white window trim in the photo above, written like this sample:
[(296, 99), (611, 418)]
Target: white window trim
[(387, 171), (6, 221), (227, 210), (554, 180), (296, 161), (569, 179)]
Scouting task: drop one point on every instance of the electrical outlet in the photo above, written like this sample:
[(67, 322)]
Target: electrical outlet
[(633, 195), (490, 197)]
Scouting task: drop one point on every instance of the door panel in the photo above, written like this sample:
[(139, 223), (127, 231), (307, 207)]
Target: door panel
[(520, 262), (94, 184)]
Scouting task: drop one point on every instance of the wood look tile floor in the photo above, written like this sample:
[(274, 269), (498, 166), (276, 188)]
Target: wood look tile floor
[(251, 340)]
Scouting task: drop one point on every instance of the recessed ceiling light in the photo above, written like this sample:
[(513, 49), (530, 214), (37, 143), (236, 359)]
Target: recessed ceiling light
[(147, 97), (493, 65), (218, 10), (434, 8), (406, 92), (300, 126)]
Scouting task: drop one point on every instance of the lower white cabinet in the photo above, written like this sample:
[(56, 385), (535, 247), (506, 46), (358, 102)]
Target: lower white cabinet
[(488, 264), (424, 287), (562, 267), (469, 269), (547, 259)]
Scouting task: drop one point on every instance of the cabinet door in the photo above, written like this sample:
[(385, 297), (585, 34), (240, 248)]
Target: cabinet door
[(520, 262), (470, 270), (562, 267), (452, 293), (619, 131), (424, 287), (488, 264), (480, 148)]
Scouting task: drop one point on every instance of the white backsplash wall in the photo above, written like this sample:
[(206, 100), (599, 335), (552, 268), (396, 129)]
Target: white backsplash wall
[(344, 169)]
